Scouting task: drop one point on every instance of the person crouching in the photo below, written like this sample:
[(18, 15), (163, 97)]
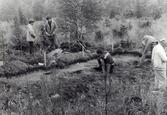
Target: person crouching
[(106, 63)]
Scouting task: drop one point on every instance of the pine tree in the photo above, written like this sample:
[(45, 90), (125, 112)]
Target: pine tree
[(79, 14)]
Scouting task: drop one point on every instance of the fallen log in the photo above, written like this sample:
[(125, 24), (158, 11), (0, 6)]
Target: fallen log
[(18, 67)]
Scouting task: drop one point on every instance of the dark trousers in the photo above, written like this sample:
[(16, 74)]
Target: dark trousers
[(52, 42), (31, 47), (48, 43)]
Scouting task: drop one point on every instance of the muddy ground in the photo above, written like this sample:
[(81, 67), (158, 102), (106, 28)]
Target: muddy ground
[(82, 92)]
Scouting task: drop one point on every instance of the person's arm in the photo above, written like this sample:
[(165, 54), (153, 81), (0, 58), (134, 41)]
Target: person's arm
[(145, 50), (162, 55), (55, 26), (32, 33), (46, 31), (108, 69)]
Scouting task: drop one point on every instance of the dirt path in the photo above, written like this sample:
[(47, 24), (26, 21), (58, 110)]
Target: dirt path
[(36, 76)]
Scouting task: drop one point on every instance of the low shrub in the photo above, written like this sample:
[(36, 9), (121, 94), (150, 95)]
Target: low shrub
[(144, 23), (25, 57), (13, 68), (120, 30), (99, 36), (74, 46)]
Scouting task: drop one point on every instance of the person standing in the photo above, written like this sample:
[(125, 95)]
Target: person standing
[(30, 36), (147, 45), (50, 33), (159, 60)]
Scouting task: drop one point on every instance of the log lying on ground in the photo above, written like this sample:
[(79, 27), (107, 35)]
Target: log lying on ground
[(121, 51), (71, 58), (17, 67), (20, 65)]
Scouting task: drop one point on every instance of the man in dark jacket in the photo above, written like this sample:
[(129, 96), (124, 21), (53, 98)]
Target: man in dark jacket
[(50, 33)]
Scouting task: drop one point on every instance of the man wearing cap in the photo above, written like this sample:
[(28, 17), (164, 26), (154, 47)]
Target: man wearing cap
[(147, 45), (50, 33), (159, 60), (30, 36)]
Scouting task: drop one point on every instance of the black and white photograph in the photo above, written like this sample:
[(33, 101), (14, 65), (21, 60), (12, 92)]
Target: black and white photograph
[(83, 57)]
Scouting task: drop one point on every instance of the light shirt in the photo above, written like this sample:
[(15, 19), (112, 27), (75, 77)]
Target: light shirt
[(159, 57), (30, 31)]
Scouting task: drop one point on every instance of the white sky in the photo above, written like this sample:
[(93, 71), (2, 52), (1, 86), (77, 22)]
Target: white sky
[(1, 3)]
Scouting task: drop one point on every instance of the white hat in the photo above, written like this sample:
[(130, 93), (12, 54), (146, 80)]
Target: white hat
[(145, 38), (148, 36)]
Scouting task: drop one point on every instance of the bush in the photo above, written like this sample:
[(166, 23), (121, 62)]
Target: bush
[(76, 47), (99, 36), (65, 45), (73, 46), (14, 68), (121, 31), (129, 13), (156, 14), (114, 12), (144, 23), (25, 57), (126, 44)]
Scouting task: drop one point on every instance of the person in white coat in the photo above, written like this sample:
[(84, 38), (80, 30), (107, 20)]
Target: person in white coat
[(159, 60), (30, 36)]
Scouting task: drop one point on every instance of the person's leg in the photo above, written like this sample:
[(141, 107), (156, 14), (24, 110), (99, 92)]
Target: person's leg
[(52, 42), (100, 65), (30, 50), (162, 82), (160, 79), (31, 47), (111, 69), (43, 43), (156, 85)]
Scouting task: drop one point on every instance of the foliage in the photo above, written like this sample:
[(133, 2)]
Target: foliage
[(99, 36), (83, 92), (18, 35), (80, 14)]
